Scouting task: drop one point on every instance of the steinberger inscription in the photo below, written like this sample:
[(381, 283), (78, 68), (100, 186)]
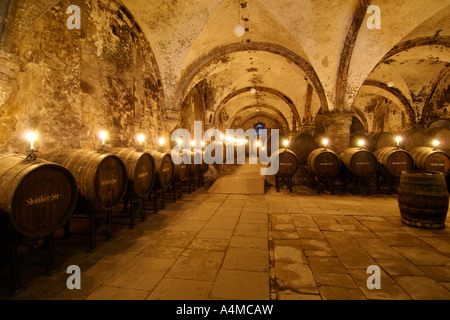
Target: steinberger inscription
[(326, 164), (285, 164), (362, 163), (107, 182), (42, 199), (141, 175), (437, 164)]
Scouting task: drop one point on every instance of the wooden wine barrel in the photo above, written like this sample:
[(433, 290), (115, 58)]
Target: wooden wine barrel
[(36, 197), (414, 139), (355, 138), (216, 146), (440, 123), (204, 166), (164, 169), (324, 163), (423, 199), (442, 134), (430, 159), (101, 177), (378, 140), (288, 162), (180, 170), (394, 161), (302, 144), (194, 168), (140, 171), (359, 162)]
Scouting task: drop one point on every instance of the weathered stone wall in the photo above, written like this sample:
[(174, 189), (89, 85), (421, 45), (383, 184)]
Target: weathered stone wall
[(74, 83)]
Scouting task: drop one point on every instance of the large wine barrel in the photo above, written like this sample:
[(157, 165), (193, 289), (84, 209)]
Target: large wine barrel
[(394, 161), (423, 199), (359, 162), (194, 168), (440, 123), (324, 163), (442, 134), (216, 146), (430, 159), (204, 166), (380, 140), (181, 170), (140, 171), (288, 162), (302, 144), (36, 197), (164, 169), (101, 177), (414, 139)]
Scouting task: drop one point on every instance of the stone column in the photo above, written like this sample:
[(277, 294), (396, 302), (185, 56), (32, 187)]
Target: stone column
[(10, 65), (337, 130)]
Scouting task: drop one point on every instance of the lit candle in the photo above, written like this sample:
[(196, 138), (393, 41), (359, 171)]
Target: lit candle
[(257, 144), (161, 141), (435, 143), (398, 139), (103, 136), (325, 142), (179, 141), (285, 143), (31, 136), (140, 139), (361, 143), (203, 143), (222, 137), (192, 144)]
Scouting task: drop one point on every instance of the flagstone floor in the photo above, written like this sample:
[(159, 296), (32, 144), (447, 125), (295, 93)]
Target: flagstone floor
[(275, 246)]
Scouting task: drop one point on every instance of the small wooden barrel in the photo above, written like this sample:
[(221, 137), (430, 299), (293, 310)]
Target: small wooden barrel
[(288, 162), (324, 163), (414, 139), (423, 199), (36, 197), (430, 159), (140, 171), (394, 161), (181, 170), (101, 177), (380, 140), (360, 162), (164, 169), (302, 144)]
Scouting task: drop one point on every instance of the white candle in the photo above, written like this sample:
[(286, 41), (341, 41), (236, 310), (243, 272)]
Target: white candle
[(31, 136), (399, 139), (285, 143), (325, 142), (140, 139), (161, 141), (103, 136)]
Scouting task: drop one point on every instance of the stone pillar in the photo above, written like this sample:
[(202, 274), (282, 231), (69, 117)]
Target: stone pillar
[(10, 66), (337, 130)]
